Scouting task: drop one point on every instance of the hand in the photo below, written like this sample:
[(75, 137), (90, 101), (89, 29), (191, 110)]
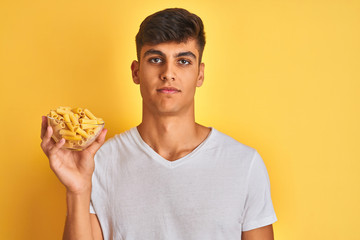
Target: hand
[(73, 168)]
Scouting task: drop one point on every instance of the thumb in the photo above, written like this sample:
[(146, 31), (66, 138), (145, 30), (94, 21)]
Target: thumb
[(94, 147)]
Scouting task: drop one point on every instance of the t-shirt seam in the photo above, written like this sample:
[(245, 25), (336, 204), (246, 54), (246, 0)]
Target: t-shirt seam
[(252, 163), (259, 222), (250, 170), (144, 147), (150, 152)]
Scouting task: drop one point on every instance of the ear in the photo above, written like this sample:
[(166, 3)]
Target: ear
[(200, 79), (135, 71)]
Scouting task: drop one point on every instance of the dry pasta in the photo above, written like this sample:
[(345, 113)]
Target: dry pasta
[(78, 126)]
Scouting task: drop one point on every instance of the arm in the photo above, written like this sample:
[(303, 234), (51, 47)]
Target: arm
[(78, 224), (96, 228), (259, 212), (74, 169), (263, 233), (81, 224)]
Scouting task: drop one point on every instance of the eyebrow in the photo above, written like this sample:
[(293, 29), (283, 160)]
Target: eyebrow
[(187, 54), (153, 52), (160, 53)]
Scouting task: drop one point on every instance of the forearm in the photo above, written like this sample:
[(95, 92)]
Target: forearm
[(263, 233), (78, 225)]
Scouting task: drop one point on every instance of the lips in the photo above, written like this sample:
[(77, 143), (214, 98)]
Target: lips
[(168, 90)]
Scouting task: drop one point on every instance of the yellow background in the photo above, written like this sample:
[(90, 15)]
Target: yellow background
[(281, 76)]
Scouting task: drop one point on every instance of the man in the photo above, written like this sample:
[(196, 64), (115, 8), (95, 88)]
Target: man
[(168, 178)]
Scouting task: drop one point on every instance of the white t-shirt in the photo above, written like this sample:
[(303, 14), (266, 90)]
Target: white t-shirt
[(217, 191)]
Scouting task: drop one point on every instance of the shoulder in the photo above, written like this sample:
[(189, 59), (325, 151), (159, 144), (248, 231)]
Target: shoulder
[(230, 151), (116, 144), (228, 143)]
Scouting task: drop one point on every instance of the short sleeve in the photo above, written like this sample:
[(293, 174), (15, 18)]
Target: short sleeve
[(92, 210), (258, 209)]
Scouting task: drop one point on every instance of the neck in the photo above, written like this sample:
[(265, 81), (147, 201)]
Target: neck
[(172, 137)]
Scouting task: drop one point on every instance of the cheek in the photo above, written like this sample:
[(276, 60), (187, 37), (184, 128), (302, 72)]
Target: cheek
[(147, 86), (191, 79), (148, 75), (148, 69), (144, 91)]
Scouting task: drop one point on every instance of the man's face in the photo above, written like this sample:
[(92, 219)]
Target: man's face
[(168, 74)]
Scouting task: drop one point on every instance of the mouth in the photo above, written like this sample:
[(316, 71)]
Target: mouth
[(168, 90)]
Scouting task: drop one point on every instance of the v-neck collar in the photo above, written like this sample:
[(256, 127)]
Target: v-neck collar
[(170, 164)]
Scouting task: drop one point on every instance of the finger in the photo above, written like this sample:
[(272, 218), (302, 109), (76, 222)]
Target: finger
[(47, 136), (43, 126), (47, 142), (56, 146), (98, 142)]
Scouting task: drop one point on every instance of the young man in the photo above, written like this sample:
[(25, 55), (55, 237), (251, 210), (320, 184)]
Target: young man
[(168, 178)]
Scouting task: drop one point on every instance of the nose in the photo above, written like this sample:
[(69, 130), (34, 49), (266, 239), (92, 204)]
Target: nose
[(168, 73)]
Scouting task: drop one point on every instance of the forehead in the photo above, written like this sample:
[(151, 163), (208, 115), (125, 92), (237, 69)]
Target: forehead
[(172, 48)]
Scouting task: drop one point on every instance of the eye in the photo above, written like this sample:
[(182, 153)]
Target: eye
[(184, 62), (155, 60)]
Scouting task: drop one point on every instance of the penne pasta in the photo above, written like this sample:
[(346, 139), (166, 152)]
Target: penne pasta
[(67, 108), (73, 119), (53, 137), (53, 121), (88, 121), (60, 118), (61, 111), (77, 110), (90, 131), (69, 144), (76, 137), (66, 117), (58, 127), (68, 122), (65, 132), (89, 114), (53, 114), (87, 126), (77, 126), (82, 133), (81, 143), (97, 130)]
